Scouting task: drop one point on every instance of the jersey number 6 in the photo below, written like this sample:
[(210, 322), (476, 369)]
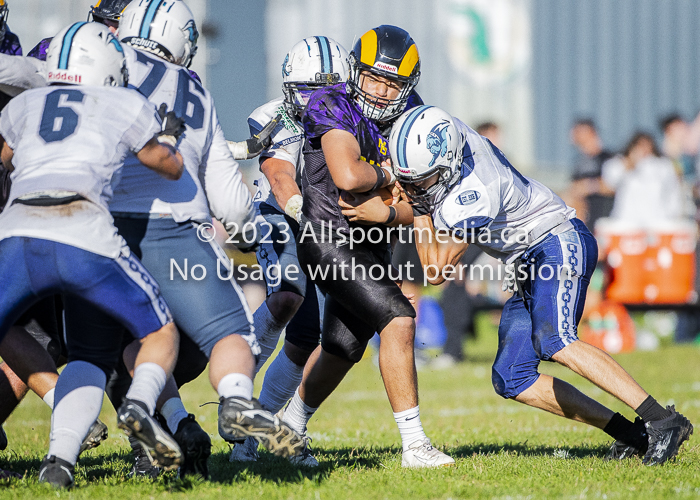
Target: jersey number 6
[(58, 122)]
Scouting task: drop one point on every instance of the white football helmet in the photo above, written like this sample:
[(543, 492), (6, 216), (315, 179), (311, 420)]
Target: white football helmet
[(425, 141), (86, 54), (313, 63), (164, 27)]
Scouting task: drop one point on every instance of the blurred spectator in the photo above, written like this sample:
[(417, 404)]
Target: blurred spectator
[(675, 145), (646, 185), (491, 131), (587, 194)]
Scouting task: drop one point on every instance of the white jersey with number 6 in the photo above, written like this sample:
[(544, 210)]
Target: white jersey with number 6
[(211, 182), (72, 139)]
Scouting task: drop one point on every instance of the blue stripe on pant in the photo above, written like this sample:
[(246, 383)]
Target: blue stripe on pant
[(546, 320), (32, 268)]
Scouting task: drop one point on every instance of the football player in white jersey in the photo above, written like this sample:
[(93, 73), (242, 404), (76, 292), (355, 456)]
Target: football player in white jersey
[(465, 191), (291, 302), (167, 226), (63, 144)]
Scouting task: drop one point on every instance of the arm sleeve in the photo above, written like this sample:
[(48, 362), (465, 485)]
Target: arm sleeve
[(20, 73), (146, 125), (328, 110), (229, 197)]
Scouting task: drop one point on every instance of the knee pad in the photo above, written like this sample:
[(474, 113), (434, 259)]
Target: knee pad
[(344, 345), (509, 381), (499, 383)]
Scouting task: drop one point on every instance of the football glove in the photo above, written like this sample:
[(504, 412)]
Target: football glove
[(250, 148), (172, 126)]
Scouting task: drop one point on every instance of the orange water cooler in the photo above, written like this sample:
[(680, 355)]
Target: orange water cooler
[(625, 248), (670, 263)]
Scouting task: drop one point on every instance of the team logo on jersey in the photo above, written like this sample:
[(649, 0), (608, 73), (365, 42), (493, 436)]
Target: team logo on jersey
[(468, 198), (436, 142)]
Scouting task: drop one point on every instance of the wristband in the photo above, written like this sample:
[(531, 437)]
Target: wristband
[(239, 150), (381, 177), (170, 140), (392, 175), (392, 215), (293, 207)]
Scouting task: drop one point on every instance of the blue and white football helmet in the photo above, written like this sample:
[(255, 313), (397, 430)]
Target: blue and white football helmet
[(425, 141), (314, 62), (165, 28), (86, 54)]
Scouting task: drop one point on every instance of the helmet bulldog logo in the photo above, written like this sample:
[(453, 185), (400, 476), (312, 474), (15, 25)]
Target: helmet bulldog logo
[(436, 142)]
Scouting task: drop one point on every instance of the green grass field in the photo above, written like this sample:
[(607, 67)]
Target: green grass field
[(503, 449)]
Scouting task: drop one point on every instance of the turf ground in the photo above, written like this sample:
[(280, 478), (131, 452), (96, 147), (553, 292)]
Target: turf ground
[(503, 449)]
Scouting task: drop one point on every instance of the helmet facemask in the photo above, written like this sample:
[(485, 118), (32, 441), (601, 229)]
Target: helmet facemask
[(431, 196), (377, 108), (297, 94)]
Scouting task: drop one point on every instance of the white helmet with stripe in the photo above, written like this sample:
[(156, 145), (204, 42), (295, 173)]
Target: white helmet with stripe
[(424, 141), (86, 54), (164, 27), (312, 63)]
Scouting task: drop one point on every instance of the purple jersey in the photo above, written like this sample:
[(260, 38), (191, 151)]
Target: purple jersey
[(10, 44), (39, 52), (331, 108)]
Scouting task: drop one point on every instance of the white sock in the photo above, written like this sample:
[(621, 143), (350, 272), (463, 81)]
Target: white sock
[(174, 412), (281, 380), (410, 426), (236, 385), (298, 414), (79, 393), (267, 330), (48, 397), (149, 381)]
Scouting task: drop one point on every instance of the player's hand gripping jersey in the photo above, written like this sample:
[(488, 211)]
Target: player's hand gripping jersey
[(70, 141), (287, 142), (210, 174), (506, 211)]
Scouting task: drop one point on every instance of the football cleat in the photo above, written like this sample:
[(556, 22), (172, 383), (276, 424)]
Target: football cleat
[(422, 454), (162, 449), (57, 472), (142, 462), (240, 418), (247, 451), (621, 450), (97, 433), (666, 437), (196, 445), (306, 457)]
